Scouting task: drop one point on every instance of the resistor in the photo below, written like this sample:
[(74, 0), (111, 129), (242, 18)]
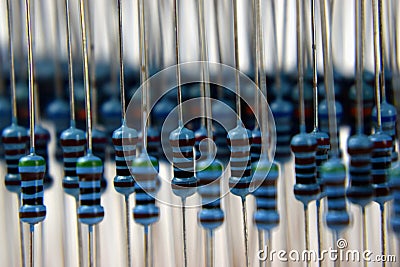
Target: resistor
[(388, 117), (145, 170), (99, 149), (321, 155), (5, 112), (153, 142), (283, 115), (255, 149), (124, 140), (208, 174), (324, 119), (184, 182), (73, 142), (266, 217), (360, 190), (368, 104), (381, 162), (333, 174), (199, 135), (239, 142), (15, 140), (306, 188), (89, 170), (32, 169)]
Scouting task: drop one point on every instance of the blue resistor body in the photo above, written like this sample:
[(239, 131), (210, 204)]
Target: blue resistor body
[(266, 173), (124, 140), (395, 187), (111, 115), (32, 168), (333, 174), (283, 115), (381, 162), (306, 188), (5, 114), (255, 149), (89, 169), (153, 142), (199, 135), (182, 142), (323, 115), (368, 104), (360, 190), (73, 142), (58, 112), (221, 114), (388, 116), (14, 140), (99, 149), (209, 174), (321, 155), (42, 140), (239, 142), (145, 172)]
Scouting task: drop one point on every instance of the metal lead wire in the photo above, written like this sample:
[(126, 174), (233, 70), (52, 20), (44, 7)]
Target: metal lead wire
[(31, 78), (376, 63), (360, 13), (70, 63), (128, 230), (121, 60), (314, 61), (382, 50), (329, 87), (263, 82), (256, 65), (12, 69), (300, 65), (86, 75), (245, 232), (237, 62), (91, 61), (206, 74), (143, 72), (307, 234), (31, 246), (177, 56), (91, 246)]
